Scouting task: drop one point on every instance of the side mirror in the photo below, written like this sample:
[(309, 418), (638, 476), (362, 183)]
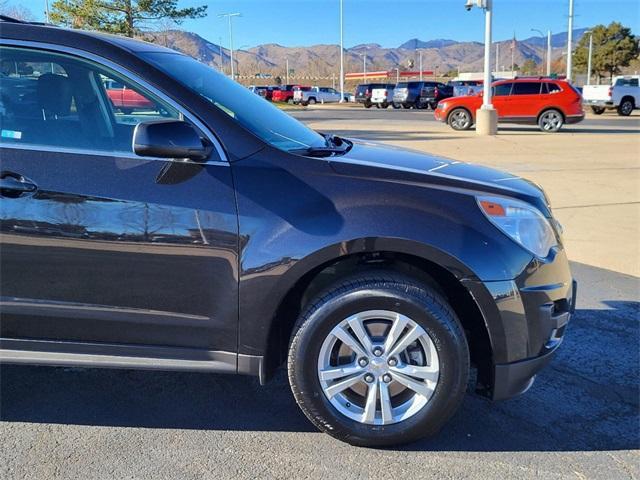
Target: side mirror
[(169, 139)]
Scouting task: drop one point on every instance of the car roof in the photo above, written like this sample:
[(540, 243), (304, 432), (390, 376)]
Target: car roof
[(81, 39)]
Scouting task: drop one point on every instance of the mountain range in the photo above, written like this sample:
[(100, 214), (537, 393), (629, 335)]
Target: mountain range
[(322, 61)]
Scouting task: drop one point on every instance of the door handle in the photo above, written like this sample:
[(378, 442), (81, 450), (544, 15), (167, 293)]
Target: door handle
[(13, 185)]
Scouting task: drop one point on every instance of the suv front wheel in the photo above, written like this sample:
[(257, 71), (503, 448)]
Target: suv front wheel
[(378, 359)]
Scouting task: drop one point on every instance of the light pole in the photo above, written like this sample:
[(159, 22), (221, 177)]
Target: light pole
[(590, 53), (229, 16), (46, 10), (497, 55), (548, 53), (570, 42), (486, 116), (287, 72), (341, 53), (542, 35), (364, 66), (420, 53)]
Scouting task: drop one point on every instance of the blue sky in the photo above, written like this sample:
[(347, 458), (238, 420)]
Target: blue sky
[(389, 22)]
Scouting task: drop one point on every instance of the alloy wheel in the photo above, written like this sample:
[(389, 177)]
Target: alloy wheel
[(378, 367), (460, 120), (551, 121)]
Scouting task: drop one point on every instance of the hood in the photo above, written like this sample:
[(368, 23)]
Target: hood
[(374, 160)]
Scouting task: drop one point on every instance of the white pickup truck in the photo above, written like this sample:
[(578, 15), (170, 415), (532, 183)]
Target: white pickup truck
[(382, 96), (623, 95), (313, 95)]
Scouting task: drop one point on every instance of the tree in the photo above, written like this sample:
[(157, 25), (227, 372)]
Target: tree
[(529, 67), (126, 17), (15, 11), (614, 47)]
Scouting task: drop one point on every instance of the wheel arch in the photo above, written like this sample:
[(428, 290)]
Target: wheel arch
[(546, 108), (422, 262), (629, 97)]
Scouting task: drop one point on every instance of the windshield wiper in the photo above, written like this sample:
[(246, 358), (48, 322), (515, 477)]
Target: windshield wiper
[(320, 151)]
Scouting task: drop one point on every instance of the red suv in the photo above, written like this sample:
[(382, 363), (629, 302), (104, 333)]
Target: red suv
[(549, 103)]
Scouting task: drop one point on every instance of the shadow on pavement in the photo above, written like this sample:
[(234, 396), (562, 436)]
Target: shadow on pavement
[(586, 400)]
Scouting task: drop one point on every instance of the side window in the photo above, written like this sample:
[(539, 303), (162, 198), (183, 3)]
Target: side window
[(502, 90), (526, 88), (57, 100), (633, 82), (553, 88)]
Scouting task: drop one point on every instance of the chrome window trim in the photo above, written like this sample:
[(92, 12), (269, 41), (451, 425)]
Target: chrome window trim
[(83, 54)]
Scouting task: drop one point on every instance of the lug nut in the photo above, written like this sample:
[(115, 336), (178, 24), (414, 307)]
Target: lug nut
[(386, 378), (392, 362), (363, 362), (368, 378), (377, 351)]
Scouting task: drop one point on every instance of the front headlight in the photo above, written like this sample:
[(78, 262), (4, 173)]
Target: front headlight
[(442, 106), (521, 222)]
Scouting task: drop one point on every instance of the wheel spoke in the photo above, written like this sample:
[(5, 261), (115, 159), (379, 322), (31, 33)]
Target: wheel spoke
[(385, 403), (430, 374), (345, 337), (338, 387), (339, 372), (410, 337), (369, 414), (361, 332), (396, 330), (420, 388)]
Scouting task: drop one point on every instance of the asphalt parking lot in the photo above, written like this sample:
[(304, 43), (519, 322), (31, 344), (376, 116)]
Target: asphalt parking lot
[(579, 420)]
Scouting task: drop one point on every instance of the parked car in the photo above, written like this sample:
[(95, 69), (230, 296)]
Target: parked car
[(228, 237), (545, 102), (382, 96), (420, 94), (364, 92), (433, 92), (315, 95), (623, 95), (463, 88), (126, 99), (284, 93), (263, 91)]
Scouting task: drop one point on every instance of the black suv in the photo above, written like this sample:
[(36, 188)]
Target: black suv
[(212, 232), (420, 94)]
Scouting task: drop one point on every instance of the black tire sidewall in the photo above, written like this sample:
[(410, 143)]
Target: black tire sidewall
[(433, 316)]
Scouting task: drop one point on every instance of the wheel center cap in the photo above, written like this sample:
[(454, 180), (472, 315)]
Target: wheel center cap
[(378, 366)]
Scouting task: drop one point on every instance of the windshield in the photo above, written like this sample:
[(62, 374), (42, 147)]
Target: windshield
[(251, 111)]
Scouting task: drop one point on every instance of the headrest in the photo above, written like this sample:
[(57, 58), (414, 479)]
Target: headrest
[(54, 94)]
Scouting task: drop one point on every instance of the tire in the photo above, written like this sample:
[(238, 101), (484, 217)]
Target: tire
[(304, 104), (433, 105), (406, 106), (384, 105), (396, 106), (598, 110), (379, 297), (550, 121), (312, 101), (460, 119), (290, 101), (377, 105), (418, 106), (367, 105), (626, 107)]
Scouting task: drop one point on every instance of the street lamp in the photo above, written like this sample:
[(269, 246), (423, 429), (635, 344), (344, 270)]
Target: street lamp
[(420, 53), (341, 53), (590, 53), (364, 66), (486, 116), (548, 45), (229, 16), (569, 42)]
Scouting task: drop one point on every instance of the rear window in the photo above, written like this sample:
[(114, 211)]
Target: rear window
[(415, 84), (551, 88), (302, 89), (403, 85), (526, 88), (626, 82)]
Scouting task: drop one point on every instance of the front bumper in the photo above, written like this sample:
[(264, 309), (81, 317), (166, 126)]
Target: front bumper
[(526, 319)]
